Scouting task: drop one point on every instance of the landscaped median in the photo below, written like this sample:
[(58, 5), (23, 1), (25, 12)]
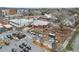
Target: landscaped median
[(37, 32)]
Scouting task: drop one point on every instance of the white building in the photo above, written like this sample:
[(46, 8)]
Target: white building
[(48, 15), (20, 22), (40, 23)]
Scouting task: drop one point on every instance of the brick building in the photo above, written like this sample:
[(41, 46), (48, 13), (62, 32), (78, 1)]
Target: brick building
[(12, 11)]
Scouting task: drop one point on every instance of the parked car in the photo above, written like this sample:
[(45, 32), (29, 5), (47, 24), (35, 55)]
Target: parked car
[(14, 34), (0, 47), (28, 47), (28, 31), (21, 46), (24, 44), (13, 50), (10, 37)]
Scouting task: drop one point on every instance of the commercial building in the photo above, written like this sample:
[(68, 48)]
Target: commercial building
[(20, 22), (4, 26), (38, 23)]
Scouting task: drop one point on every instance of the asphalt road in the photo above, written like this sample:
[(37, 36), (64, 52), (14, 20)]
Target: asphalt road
[(76, 44)]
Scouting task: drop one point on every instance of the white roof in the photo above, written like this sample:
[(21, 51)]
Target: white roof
[(48, 15), (40, 22), (7, 26), (21, 22), (52, 34), (1, 26)]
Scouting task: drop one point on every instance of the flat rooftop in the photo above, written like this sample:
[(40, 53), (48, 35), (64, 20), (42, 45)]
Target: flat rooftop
[(20, 22)]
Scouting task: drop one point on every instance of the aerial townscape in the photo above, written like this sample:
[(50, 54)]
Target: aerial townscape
[(39, 29)]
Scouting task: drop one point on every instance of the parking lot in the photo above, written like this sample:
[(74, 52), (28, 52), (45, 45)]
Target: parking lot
[(14, 44)]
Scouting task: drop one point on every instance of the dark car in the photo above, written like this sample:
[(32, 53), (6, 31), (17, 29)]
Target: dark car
[(28, 31), (28, 47), (21, 46), (11, 38), (24, 35), (0, 47), (24, 44), (14, 34), (13, 50), (8, 36)]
